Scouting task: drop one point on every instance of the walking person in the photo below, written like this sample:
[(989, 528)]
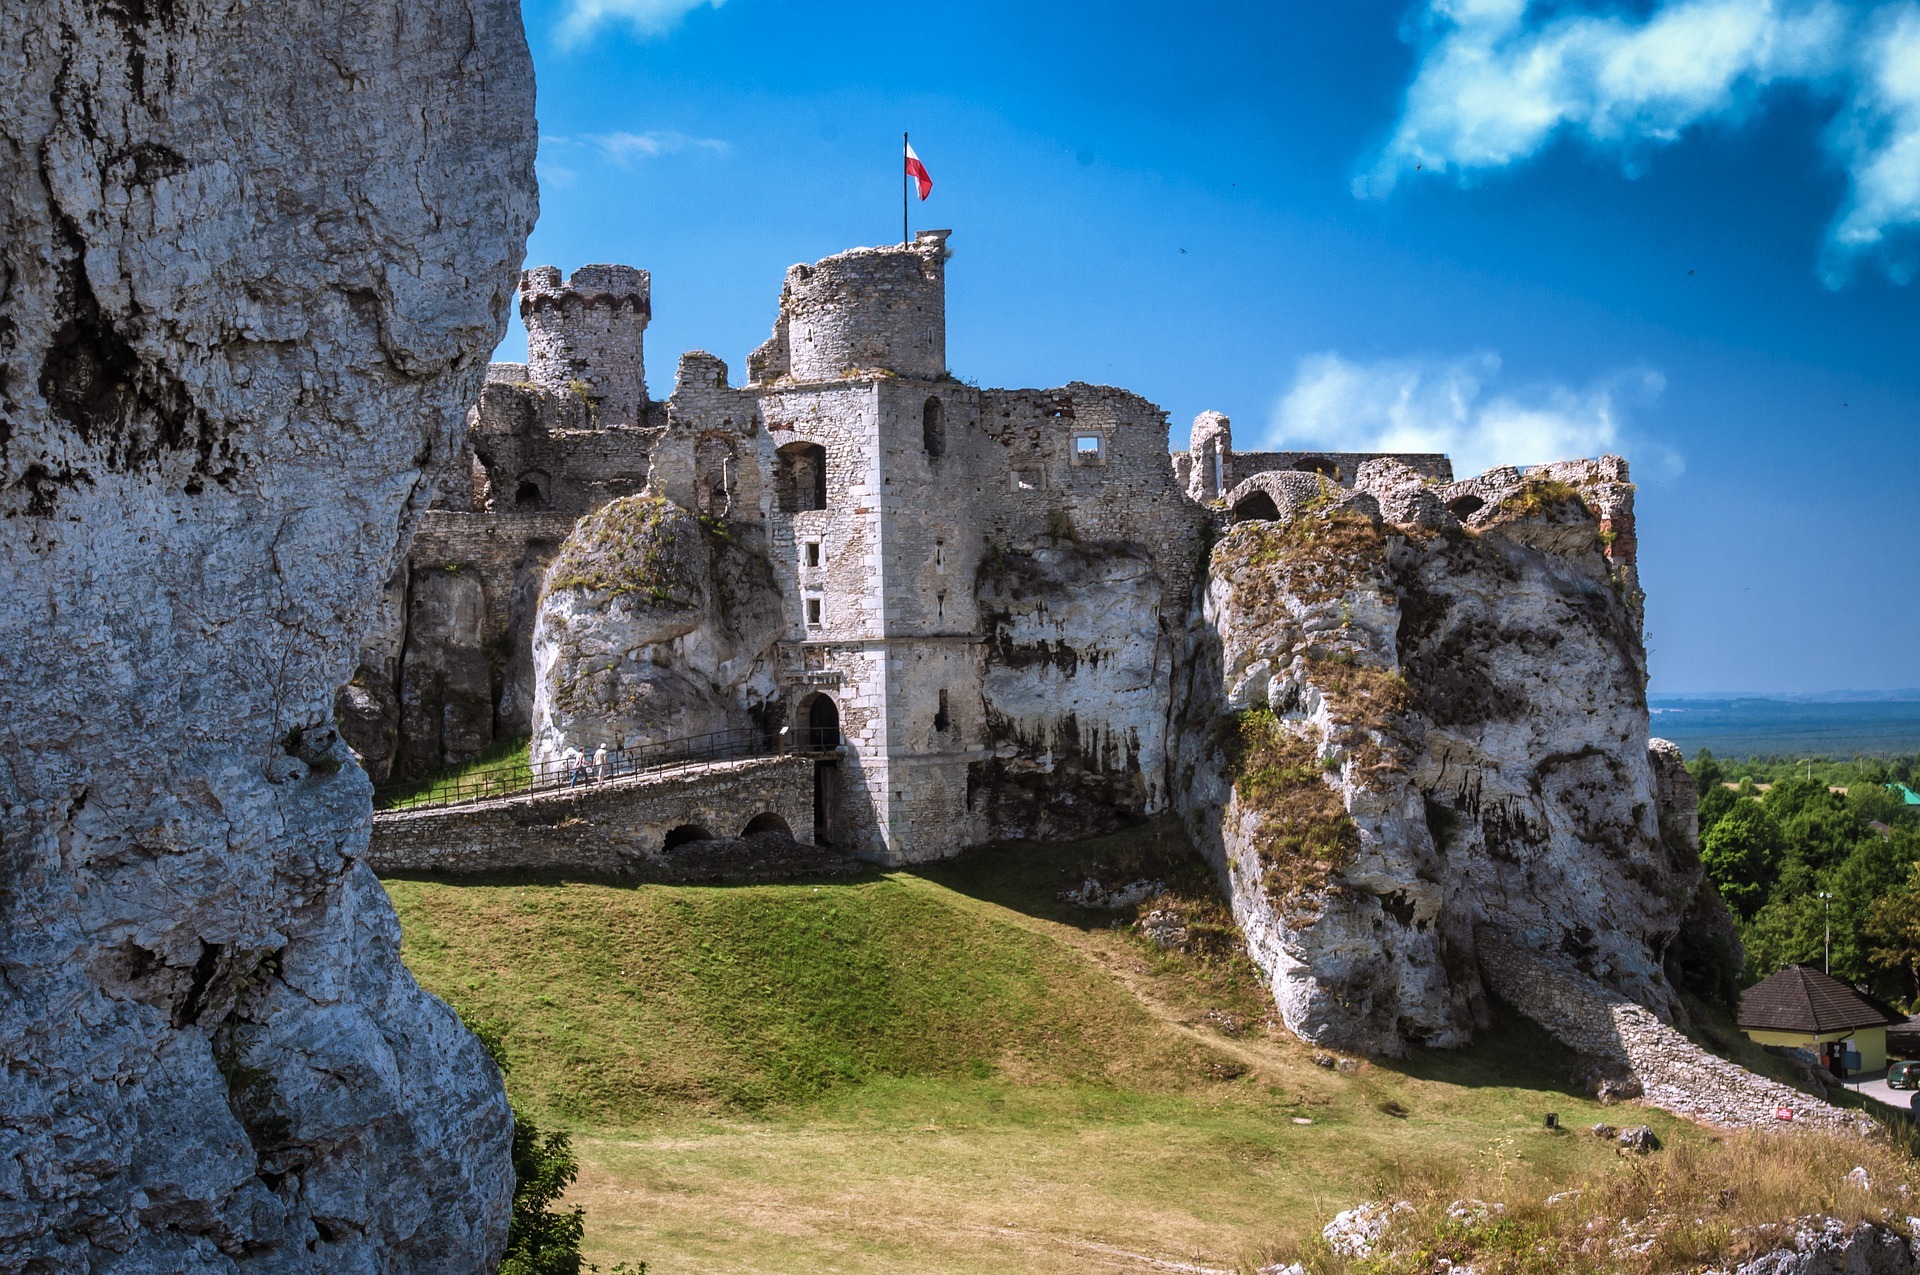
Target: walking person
[(600, 764)]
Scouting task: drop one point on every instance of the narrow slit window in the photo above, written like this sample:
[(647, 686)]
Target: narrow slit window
[(939, 555), (940, 719), (940, 610)]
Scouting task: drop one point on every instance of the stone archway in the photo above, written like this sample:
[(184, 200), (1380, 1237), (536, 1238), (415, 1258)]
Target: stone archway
[(1256, 506), (819, 723), (766, 821), (685, 834)]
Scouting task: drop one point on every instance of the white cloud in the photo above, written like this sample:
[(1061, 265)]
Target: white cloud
[(1445, 405), (1880, 140), (646, 17), (1499, 79), (626, 148), (561, 156)]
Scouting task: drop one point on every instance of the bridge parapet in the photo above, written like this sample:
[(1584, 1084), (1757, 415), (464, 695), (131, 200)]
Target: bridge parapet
[(692, 824)]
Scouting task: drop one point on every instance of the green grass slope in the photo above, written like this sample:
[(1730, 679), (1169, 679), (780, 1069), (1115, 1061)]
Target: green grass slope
[(953, 1071)]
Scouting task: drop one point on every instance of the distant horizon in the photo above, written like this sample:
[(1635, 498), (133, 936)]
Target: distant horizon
[(1895, 695)]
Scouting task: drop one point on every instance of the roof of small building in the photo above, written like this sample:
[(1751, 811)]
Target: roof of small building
[(1802, 999)]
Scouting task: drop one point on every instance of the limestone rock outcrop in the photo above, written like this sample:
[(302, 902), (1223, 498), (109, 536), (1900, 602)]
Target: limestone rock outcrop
[(252, 259), (1076, 689), (653, 626), (1397, 735)]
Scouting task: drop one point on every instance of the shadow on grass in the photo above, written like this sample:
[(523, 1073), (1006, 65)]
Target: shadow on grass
[(866, 874), (1030, 876)]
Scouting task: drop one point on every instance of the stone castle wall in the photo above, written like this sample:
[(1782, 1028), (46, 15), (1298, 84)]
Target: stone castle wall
[(617, 828)]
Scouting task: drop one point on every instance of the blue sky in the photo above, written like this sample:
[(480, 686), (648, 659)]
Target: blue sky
[(1679, 229)]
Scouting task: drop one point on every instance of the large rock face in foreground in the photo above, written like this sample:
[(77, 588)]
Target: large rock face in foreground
[(252, 260), (1404, 729)]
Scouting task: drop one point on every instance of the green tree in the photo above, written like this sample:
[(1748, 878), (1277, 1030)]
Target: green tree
[(1742, 853), (1893, 931), (1789, 930), (1876, 867)]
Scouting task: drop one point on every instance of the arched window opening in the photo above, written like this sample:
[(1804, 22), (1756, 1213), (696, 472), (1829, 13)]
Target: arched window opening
[(1256, 507), (1465, 507), (800, 477), (1318, 465), (531, 491), (822, 729), (933, 429), (685, 834), (766, 821)]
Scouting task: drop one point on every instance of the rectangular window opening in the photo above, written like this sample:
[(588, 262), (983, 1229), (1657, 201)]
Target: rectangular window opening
[(940, 719), (813, 553), (813, 613)]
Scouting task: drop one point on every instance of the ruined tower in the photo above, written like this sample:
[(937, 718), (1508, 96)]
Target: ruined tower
[(1210, 447), (587, 334), (861, 313)]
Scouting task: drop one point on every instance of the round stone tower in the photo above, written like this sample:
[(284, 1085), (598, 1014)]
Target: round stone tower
[(587, 335), (1210, 449), (871, 309)]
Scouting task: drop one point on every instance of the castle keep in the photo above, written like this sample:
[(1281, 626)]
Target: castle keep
[(979, 594)]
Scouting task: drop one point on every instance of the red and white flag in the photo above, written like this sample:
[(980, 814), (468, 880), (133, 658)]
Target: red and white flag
[(918, 171)]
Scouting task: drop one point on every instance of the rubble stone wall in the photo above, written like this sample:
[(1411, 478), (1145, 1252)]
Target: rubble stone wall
[(1669, 1070), (615, 828)]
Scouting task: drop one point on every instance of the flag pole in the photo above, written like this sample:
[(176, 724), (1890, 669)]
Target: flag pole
[(903, 190)]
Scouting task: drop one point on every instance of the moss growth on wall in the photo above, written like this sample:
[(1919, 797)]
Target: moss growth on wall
[(1317, 556), (644, 545), (1306, 835), (1549, 500)]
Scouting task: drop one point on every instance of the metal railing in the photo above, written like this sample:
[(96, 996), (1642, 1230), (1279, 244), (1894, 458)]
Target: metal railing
[(583, 772)]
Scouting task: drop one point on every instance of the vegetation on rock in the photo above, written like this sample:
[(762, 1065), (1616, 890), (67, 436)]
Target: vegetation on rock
[(644, 545), (1322, 554), (1306, 835)]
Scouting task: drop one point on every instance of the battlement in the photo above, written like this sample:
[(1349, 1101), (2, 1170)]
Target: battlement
[(587, 335), (867, 311)]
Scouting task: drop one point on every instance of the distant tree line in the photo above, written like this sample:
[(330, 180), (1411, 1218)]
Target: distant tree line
[(1788, 853)]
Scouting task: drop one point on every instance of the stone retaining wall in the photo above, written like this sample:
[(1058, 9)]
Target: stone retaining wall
[(619, 829), (1673, 1073)]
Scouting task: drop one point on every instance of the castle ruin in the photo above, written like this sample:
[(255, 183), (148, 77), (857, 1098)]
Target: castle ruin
[(982, 593)]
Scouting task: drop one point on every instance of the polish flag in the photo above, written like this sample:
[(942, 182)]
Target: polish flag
[(918, 171)]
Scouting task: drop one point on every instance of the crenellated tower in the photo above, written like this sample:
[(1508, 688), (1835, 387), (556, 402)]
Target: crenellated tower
[(587, 334)]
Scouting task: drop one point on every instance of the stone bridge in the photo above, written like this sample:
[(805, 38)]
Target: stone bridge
[(724, 821)]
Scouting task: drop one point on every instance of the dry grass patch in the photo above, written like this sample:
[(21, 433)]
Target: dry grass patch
[(1317, 557), (1708, 1202)]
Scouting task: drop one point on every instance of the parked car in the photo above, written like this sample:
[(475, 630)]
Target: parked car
[(1904, 1075)]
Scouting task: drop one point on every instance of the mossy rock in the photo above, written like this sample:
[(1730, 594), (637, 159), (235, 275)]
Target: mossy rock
[(636, 545)]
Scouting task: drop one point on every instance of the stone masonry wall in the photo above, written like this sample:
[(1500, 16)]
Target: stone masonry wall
[(1671, 1071), (616, 828)]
